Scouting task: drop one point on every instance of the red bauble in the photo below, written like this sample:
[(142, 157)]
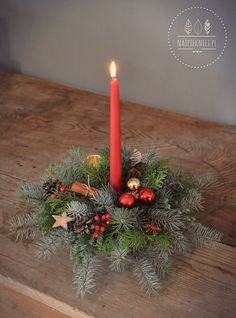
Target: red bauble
[(147, 195), (127, 200), (104, 217), (108, 215), (53, 196), (96, 218), (108, 222)]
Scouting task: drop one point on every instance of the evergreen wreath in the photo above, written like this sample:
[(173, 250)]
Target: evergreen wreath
[(141, 229)]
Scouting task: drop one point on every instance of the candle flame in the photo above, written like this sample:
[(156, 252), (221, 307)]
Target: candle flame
[(113, 69)]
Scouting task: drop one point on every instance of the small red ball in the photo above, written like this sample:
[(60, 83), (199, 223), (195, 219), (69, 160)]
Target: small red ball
[(96, 218), (95, 235), (108, 222), (62, 189), (127, 200), (97, 227), (147, 195), (102, 228), (104, 217), (108, 215), (53, 196)]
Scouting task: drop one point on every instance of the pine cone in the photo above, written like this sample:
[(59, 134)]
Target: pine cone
[(134, 172), (51, 185), (83, 225)]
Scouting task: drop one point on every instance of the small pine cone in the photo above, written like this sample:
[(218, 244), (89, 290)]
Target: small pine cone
[(135, 173)]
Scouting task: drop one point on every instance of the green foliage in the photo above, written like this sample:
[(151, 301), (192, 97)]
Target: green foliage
[(169, 220), (119, 258), (76, 208), (124, 219), (136, 240), (85, 274), (106, 198), (28, 190), (205, 182), (155, 173), (202, 236), (49, 244), (146, 276), (106, 246), (24, 226)]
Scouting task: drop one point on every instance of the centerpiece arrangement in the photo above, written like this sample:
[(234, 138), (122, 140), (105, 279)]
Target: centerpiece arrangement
[(120, 204)]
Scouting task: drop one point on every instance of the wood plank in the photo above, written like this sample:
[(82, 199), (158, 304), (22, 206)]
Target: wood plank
[(202, 285), (15, 305), (40, 120)]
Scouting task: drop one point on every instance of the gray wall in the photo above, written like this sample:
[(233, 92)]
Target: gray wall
[(71, 42)]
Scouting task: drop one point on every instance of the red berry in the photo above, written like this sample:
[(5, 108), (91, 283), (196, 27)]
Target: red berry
[(95, 235), (102, 228), (104, 217), (108, 215), (53, 196), (96, 218), (108, 222), (97, 227), (62, 189)]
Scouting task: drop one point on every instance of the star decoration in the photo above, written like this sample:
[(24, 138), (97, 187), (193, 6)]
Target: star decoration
[(62, 220)]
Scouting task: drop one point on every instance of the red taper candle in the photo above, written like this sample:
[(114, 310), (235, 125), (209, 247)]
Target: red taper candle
[(115, 136)]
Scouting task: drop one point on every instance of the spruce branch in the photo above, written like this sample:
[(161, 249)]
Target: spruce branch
[(202, 236), (106, 198), (76, 208), (204, 182), (49, 244), (192, 200), (146, 276), (24, 226), (75, 157), (28, 190), (119, 259), (124, 219), (84, 275), (169, 220)]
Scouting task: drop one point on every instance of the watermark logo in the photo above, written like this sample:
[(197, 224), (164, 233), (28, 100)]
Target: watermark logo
[(197, 37)]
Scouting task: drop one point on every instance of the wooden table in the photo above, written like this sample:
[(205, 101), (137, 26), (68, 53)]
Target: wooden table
[(39, 121)]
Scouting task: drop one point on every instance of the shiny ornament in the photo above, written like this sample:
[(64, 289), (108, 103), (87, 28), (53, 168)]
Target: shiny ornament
[(94, 160), (127, 200), (133, 184), (147, 195)]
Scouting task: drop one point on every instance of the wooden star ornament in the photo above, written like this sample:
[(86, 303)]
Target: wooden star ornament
[(62, 220)]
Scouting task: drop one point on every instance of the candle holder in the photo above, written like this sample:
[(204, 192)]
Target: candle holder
[(140, 228)]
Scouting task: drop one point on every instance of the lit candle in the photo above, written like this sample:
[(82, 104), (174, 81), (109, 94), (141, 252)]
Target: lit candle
[(115, 138)]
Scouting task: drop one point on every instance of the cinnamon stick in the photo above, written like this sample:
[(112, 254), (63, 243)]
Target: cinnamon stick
[(83, 189)]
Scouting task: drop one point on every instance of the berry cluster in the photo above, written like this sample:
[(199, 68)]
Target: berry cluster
[(59, 187), (102, 221)]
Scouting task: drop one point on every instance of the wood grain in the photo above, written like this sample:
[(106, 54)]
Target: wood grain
[(39, 121)]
